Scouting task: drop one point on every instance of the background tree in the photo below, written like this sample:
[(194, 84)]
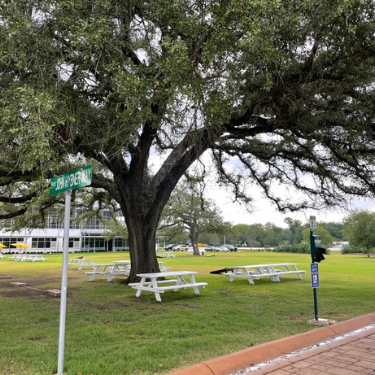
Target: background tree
[(336, 230), (252, 234), (359, 228), (274, 235), (281, 89), (325, 237), (193, 214), (295, 230)]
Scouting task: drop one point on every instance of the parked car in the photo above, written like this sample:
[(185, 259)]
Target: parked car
[(230, 247), (222, 248), (180, 248), (170, 247)]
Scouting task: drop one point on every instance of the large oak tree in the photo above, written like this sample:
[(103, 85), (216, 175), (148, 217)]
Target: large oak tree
[(279, 91)]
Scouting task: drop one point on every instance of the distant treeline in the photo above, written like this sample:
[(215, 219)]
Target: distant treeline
[(270, 235)]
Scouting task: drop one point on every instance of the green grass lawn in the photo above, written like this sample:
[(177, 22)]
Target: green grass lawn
[(111, 332)]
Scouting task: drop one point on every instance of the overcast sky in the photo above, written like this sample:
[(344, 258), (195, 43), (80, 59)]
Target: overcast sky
[(264, 212)]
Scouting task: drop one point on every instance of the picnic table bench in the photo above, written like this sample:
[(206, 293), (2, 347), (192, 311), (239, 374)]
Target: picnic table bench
[(157, 281), (256, 271)]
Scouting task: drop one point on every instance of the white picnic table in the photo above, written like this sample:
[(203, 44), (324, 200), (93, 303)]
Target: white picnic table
[(157, 282), (201, 251), (165, 255), (80, 262), (35, 258), (116, 268), (255, 271), (27, 257), (103, 269)]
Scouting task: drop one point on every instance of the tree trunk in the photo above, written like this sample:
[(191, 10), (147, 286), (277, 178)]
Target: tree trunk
[(142, 249), (194, 242), (141, 221)]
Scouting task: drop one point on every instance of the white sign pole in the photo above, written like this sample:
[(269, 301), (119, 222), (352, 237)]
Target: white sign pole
[(64, 282)]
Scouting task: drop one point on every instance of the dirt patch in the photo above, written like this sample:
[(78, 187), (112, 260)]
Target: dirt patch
[(17, 292), (36, 287)]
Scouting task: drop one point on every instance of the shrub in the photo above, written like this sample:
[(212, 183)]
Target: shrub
[(302, 248), (349, 249)]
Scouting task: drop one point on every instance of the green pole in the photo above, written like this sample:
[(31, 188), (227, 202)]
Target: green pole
[(315, 305), (313, 253)]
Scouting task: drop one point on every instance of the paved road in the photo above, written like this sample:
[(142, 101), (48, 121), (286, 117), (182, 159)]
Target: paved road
[(345, 348)]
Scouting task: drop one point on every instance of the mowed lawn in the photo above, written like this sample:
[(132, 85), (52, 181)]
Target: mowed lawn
[(111, 332)]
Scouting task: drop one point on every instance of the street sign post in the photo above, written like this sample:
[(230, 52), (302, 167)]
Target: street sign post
[(66, 183)]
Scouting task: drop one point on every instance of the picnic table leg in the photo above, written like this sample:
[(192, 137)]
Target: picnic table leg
[(297, 274), (274, 278), (180, 280), (249, 276), (139, 291), (192, 280), (112, 273), (283, 269), (250, 280), (155, 285), (231, 278)]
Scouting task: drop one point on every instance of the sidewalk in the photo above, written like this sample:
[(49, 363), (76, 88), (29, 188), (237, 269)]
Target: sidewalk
[(344, 348)]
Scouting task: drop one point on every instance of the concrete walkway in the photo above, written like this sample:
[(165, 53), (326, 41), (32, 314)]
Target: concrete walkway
[(345, 348)]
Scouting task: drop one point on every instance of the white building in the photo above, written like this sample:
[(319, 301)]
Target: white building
[(84, 236)]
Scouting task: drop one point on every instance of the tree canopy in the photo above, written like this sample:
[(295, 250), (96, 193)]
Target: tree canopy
[(359, 228), (280, 92)]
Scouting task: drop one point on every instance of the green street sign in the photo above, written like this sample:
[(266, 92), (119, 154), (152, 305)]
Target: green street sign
[(71, 180)]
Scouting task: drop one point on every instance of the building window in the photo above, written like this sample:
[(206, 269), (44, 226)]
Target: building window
[(93, 243), (42, 243), (121, 243), (74, 243)]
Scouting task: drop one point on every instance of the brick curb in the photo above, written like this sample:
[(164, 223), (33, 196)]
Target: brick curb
[(230, 363), (283, 362)]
